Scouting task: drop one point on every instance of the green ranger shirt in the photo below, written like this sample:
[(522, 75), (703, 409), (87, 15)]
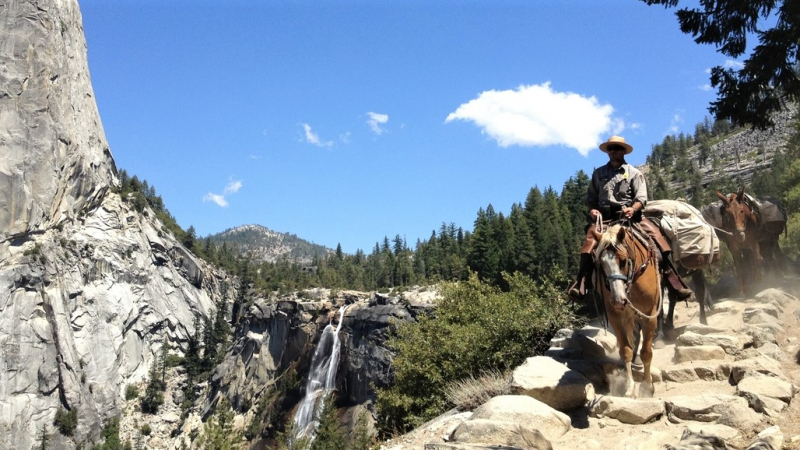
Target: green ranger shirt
[(616, 187)]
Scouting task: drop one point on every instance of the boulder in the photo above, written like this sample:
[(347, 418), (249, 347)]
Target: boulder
[(730, 344), (585, 343), (494, 432), (754, 366), (552, 383), (526, 410), (694, 371), (699, 353), (627, 410), (723, 409), (775, 295), (766, 394)]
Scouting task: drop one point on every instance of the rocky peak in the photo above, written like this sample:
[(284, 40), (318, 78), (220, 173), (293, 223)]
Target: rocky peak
[(268, 245)]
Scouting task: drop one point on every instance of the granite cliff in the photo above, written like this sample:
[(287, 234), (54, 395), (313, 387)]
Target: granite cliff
[(89, 288)]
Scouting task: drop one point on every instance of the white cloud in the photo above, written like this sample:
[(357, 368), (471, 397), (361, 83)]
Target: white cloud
[(313, 138), (538, 116), (375, 120), (216, 198), (731, 64), (345, 137), (705, 87), (674, 125), (232, 188)]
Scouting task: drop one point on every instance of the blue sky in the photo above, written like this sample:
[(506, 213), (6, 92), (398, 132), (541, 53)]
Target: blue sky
[(347, 121)]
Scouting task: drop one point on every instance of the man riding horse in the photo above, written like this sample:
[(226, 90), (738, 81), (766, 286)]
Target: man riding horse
[(618, 191)]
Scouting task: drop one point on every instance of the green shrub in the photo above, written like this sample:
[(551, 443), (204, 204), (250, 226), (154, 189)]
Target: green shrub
[(36, 250), (131, 392), (476, 327), (789, 241), (174, 360), (66, 421), (146, 429)]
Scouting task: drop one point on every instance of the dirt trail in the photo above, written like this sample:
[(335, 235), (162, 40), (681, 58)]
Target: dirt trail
[(606, 433)]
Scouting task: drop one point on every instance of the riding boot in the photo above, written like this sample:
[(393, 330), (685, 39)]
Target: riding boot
[(678, 286), (583, 284), (676, 283)]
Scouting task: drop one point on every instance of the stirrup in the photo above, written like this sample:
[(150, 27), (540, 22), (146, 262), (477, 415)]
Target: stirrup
[(575, 294), (684, 293)]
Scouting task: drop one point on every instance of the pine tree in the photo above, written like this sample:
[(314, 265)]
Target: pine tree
[(44, 438), (329, 435), (153, 394), (362, 438), (110, 434), (218, 430), (189, 238), (288, 439)]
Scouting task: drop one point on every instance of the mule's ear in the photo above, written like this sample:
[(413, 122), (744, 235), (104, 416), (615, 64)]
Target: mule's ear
[(722, 197), (740, 194), (621, 234)]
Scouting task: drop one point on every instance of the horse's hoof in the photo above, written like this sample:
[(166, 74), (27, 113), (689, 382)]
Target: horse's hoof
[(646, 390)]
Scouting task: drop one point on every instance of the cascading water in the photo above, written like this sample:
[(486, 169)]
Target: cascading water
[(321, 378)]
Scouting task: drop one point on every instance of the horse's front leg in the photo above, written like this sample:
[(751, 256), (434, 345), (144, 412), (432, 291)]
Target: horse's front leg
[(626, 354), (699, 279), (757, 261), (739, 267), (646, 388), (625, 349)]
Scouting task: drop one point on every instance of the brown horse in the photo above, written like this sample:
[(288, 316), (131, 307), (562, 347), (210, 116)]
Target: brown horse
[(743, 236), (630, 283)]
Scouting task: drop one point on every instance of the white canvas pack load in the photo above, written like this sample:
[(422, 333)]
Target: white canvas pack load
[(684, 226)]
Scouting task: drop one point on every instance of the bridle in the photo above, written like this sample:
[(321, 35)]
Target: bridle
[(633, 271), (727, 218)]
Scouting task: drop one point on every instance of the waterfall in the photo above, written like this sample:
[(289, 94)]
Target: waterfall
[(321, 378)]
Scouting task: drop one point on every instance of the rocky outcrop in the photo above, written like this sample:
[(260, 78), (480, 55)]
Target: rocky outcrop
[(84, 309), (55, 159), (277, 337), (89, 288), (716, 386), (742, 154)]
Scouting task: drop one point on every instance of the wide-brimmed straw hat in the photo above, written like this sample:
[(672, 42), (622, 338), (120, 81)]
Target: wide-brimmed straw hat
[(616, 140)]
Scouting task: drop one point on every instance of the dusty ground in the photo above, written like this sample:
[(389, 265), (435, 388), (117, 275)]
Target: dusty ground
[(592, 433)]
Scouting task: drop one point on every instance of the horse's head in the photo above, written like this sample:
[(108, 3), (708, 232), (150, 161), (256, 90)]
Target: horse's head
[(615, 263), (736, 214)]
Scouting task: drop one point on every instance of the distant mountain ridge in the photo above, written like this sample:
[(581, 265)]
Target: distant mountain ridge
[(270, 246), (736, 156)]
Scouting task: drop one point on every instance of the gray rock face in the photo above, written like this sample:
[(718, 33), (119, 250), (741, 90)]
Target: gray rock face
[(275, 335), (55, 158), (89, 288), (83, 312), (365, 357)]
